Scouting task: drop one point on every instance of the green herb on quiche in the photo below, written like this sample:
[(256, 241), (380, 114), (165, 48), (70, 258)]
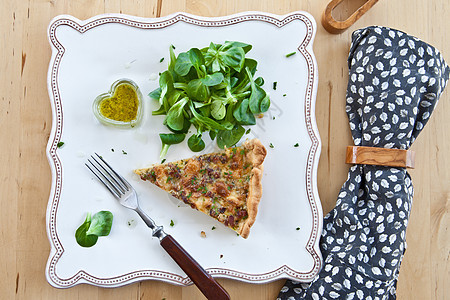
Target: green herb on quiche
[(215, 90)]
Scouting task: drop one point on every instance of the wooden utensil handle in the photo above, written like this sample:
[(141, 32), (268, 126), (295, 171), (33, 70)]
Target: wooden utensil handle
[(205, 282), (333, 26)]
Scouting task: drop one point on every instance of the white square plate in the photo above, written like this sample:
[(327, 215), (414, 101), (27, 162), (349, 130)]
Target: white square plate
[(87, 57)]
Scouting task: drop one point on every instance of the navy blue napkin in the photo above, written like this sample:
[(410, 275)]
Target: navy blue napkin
[(395, 81)]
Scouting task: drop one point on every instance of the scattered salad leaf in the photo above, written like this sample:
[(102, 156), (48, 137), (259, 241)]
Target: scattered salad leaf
[(99, 225), (214, 89)]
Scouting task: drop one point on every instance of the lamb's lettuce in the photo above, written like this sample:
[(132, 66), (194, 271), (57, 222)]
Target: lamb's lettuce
[(93, 227), (214, 89)]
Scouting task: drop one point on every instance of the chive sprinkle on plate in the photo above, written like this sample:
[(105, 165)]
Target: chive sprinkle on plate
[(290, 54)]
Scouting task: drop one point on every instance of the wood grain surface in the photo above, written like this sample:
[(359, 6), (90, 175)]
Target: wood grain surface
[(25, 121)]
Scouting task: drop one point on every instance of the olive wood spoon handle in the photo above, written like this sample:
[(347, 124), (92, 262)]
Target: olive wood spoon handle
[(205, 282), (333, 26)]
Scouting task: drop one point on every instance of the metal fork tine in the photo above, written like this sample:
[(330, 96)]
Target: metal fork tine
[(119, 186), (124, 183), (119, 190), (113, 191)]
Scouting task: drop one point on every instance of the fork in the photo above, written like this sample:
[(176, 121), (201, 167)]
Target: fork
[(122, 190)]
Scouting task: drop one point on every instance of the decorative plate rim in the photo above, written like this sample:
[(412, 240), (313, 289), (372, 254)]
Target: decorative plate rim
[(58, 50)]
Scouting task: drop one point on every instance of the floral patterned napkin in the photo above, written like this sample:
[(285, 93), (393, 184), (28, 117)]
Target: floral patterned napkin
[(395, 81)]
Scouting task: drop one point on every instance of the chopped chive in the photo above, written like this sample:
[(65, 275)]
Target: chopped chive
[(248, 131), (296, 145), (275, 85), (60, 144), (273, 118), (284, 95), (163, 160), (161, 60), (290, 54), (298, 228), (172, 223), (112, 150), (123, 152), (214, 227), (271, 145)]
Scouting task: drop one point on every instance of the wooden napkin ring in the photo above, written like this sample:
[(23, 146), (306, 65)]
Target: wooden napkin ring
[(380, 157)]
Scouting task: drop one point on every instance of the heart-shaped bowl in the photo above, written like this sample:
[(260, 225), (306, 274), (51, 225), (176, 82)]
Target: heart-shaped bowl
[(122, 106)]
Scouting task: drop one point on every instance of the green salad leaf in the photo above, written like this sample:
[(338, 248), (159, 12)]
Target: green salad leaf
[(195, 143), (82, 238), (168, 139), (215, 90), (99, 225)]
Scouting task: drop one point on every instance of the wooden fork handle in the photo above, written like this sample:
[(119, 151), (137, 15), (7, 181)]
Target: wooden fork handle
[(205, 282), (333, 26)]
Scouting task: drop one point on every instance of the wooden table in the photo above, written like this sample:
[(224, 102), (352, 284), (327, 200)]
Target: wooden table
[(25, 122)]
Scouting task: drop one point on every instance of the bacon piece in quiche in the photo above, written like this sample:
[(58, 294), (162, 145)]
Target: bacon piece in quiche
[(224, 185)]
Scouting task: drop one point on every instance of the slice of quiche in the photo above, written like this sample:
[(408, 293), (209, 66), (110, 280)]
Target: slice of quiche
[(224, 185)]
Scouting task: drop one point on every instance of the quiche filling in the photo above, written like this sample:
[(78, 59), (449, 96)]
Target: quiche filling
[(224, 185)]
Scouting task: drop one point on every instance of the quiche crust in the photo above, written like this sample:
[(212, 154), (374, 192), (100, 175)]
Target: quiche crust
[(255, 155)]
